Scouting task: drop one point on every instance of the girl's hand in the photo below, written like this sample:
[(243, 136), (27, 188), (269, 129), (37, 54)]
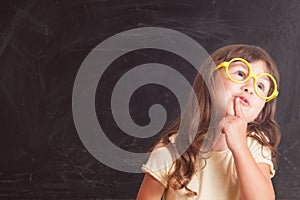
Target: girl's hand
[(235, 128)]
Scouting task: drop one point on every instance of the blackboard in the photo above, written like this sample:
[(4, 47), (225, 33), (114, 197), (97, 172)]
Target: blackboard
[(44, 43)]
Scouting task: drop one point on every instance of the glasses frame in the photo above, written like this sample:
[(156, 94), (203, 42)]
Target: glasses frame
[(251, 75)]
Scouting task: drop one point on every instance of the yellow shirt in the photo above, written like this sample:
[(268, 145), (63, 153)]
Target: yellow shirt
[(217, 181)]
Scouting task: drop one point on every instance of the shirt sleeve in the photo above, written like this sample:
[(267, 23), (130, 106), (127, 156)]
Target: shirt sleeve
[(159, 165), (261, 154)]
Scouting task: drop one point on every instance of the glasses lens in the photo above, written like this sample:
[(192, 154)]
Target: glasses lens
[(264, 85), (238, 71)]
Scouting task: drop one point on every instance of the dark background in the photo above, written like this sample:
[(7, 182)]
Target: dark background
[(42, 46)]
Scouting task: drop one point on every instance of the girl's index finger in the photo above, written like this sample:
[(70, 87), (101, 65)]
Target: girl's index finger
[(238, 108)]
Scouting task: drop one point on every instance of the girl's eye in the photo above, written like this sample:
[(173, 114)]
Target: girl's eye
[(241, 74), (261, 86), (238, 75), (238, 71)]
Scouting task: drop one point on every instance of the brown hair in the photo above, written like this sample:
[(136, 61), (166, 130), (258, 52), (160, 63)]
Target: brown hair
[(265, 126)]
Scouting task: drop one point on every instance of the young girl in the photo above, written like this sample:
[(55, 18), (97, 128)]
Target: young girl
[(233, 152)]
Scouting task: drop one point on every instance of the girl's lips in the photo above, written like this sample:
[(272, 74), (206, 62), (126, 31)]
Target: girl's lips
[(244, 101)]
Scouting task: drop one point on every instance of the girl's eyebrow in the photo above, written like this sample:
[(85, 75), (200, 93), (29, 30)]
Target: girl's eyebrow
[(265, 78), (239, 63)]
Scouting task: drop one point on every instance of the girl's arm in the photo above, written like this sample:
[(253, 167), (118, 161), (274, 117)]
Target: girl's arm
[(150, 189), (254, 179)]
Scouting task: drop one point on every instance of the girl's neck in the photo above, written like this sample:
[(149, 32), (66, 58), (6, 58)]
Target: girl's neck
[(220, 144)]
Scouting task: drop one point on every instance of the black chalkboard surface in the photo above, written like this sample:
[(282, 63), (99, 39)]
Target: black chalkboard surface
[(44, 43)]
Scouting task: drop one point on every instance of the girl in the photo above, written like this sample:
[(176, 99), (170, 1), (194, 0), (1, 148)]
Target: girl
[(233, 152)]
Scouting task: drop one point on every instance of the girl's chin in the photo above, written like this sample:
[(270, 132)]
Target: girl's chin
[(229, 113), (229, 110), (226, 108)]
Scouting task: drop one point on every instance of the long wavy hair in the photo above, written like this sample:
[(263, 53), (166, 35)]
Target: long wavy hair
[(199, 132)]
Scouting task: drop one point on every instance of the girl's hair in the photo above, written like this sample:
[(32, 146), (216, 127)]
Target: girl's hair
[(265, 126)]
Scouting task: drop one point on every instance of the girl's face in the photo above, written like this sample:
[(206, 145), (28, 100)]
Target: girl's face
[(226, 91)]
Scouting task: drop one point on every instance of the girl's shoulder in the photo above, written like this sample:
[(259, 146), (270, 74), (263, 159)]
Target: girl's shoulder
[(162, 155), (255, 139), (160, 163), (260, 152), (257, 148)]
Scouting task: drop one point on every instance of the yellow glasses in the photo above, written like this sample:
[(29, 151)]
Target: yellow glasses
[(239, 70)]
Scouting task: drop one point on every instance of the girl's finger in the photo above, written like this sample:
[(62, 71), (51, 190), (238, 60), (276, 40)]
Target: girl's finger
[(222, 125), (238, 112)]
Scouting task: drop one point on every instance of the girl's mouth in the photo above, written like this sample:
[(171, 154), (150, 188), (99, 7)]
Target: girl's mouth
[(244, 101)]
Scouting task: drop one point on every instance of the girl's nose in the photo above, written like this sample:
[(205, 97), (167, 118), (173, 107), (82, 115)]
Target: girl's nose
[(248, 86), (247, 90)]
